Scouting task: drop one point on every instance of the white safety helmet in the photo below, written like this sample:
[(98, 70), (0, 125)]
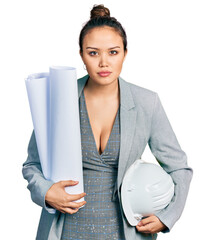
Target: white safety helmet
[(146, 189)]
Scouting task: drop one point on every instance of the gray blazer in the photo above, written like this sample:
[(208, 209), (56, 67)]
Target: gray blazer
[(142, 120)]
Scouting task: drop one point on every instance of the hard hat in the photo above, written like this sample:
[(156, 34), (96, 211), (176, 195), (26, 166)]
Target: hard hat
[(146, 189)]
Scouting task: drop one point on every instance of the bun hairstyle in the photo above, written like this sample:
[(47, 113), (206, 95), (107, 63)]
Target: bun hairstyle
[(99, 11), (100, 17)]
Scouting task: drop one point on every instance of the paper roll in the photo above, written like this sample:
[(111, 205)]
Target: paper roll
[(65, 135), (38, 96), (53, 100)]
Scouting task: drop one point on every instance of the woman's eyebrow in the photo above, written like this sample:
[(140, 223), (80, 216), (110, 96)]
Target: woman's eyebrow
[(98, 48)]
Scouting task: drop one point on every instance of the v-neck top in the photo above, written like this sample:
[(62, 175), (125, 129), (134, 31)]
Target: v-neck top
[(100, 218), (91, 130)]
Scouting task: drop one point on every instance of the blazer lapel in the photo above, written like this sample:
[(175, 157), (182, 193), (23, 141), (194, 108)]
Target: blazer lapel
[(128, 115)]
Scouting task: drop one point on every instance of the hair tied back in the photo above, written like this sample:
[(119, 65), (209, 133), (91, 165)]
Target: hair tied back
[(100, 17), (99, 11)]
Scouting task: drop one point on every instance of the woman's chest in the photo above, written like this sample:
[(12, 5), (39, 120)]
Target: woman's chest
[(101, 117)]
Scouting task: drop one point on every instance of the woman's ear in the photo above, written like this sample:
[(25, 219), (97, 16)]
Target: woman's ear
[(81, 54), (125, 54)]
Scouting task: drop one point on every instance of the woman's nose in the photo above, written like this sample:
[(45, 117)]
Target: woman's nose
[(103, 62)]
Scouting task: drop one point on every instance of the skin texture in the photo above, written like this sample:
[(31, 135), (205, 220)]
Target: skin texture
[(58, 198), (151, 225), (109, 55), (102, 93), (102, 51)]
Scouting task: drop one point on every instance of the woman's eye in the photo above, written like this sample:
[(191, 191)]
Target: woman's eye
[(113, 52), (92, 53)]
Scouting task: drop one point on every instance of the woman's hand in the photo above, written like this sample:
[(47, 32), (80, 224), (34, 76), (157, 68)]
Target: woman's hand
[(58, 198), (151, 224)]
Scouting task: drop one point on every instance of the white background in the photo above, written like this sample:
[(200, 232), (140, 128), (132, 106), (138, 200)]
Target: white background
[(171, 51)]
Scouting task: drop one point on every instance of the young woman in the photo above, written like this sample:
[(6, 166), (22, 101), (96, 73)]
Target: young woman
[(117, 120)]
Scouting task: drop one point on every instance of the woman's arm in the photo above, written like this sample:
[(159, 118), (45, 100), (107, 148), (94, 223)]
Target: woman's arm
[(32, 172), (166, 149), (44, 192)]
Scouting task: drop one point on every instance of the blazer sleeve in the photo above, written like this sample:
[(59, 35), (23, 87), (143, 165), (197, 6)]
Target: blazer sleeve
[(166, 149), (32, 172)]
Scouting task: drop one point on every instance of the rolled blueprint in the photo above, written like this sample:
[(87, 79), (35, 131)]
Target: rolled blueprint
[(38, 96), (65, 135), (53, 100)]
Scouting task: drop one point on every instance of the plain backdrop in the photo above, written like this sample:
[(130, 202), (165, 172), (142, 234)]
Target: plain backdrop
[(171, 51)]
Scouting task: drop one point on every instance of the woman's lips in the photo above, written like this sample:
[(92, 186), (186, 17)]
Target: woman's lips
[(104, 74)]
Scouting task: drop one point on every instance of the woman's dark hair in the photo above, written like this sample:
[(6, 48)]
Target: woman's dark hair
[(99, 17)]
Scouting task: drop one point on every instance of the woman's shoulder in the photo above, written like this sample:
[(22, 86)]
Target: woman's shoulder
[(140, 89), (143, 98), (139, 92)]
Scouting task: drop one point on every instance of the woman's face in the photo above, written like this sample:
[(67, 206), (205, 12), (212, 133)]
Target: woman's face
[(103, 54)]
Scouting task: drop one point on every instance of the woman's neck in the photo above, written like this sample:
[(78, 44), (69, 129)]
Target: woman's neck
[(97, 91)]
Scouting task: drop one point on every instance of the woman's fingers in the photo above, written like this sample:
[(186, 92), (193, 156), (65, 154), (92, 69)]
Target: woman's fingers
[(75, 204), (58, 198), (145, 225), (73, 207), (67, 183), (62, 211), (73, 197), (145, 221), (145, 229), (71, 210), (150, 224)]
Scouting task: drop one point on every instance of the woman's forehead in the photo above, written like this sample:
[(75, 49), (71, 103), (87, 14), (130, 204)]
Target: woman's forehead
[(102, 37)]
